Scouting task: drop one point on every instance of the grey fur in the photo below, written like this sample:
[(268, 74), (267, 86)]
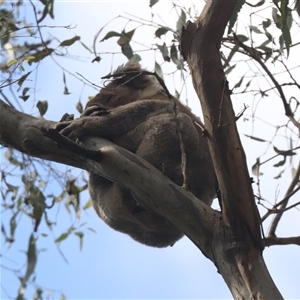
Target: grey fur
[(135, 113)]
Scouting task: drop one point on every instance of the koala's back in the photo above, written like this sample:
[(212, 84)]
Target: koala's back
[(136, 113), (156, 140), (116, 206)]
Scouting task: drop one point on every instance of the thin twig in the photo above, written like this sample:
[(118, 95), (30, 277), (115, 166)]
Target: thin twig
[(256, 55), (290, 189), (278, 154), (275, 209), (37, 24)]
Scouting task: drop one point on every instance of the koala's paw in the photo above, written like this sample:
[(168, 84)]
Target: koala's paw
[(71, 129), (67, 117), (94, 111)]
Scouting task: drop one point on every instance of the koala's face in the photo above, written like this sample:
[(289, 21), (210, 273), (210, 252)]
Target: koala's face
[(115, 94), (132, 85)]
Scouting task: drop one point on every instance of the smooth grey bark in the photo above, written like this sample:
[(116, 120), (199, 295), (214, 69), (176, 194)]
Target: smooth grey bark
[(230, 239), (193, 217), (237, 249)]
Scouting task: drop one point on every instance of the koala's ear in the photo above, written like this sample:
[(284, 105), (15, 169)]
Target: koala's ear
[(132, 76)]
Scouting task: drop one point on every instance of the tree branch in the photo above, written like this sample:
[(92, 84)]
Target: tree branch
[(275, 209), (201, 49), (253, 53), (285, 201), (193, 217), (238, 248), (270, 241)]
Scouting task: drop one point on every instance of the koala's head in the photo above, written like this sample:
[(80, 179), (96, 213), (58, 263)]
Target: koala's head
[(129, 86)]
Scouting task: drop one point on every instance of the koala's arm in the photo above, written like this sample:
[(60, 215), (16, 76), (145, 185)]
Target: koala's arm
[(116, 122)]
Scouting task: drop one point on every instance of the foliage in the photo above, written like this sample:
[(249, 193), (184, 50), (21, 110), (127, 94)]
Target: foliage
[(250, 55)]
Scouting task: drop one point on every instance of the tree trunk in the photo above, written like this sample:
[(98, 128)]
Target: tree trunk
[(230, 239), (237, 246)]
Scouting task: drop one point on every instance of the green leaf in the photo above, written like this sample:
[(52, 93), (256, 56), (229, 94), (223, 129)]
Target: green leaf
[(22, 79), (24, 92), (153, 2), (12, 159), (48, 9), (63, 297), (110, 35), (127, 51), (13, 189), (297, 7), (284, 152), (3, 231), (13, 226), (255, 138), (279, 175), (31, 260), (125, 38), (12, 62), (286, 22), (62, 237), (242, 38), (88, 204), (280, 163), (174, 54), (164, 51), (269, 36), (129, 34), (123, 41), (255, 29), (255, 168), (230, 56), (294, 173), (161, 31), (65, 235), (79, 107), (42, 107), (234, 15), (97, 59), (66, 90), (259, 3), (158, 70), (228, 70), (39, 55), (80, 235), (135, 57), (70, 41), (181, 21), (86, 47), (91, 229), (247, 85), (276, 17), (266, 23)]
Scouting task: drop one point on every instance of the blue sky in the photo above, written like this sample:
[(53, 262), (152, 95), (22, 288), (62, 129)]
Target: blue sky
[(111, 265)]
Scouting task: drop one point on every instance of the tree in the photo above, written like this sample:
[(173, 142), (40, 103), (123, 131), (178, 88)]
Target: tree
[(231, 239)]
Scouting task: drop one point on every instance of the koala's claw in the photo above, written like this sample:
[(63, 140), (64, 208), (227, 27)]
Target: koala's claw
[(70, 129), (94, 111), (61, 125), (67, 117)]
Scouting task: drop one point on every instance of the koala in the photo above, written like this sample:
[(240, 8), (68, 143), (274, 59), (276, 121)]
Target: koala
[(134, 112)]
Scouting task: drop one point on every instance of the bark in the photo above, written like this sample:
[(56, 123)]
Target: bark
[(230, 239), (193, 217), (237, 249)]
